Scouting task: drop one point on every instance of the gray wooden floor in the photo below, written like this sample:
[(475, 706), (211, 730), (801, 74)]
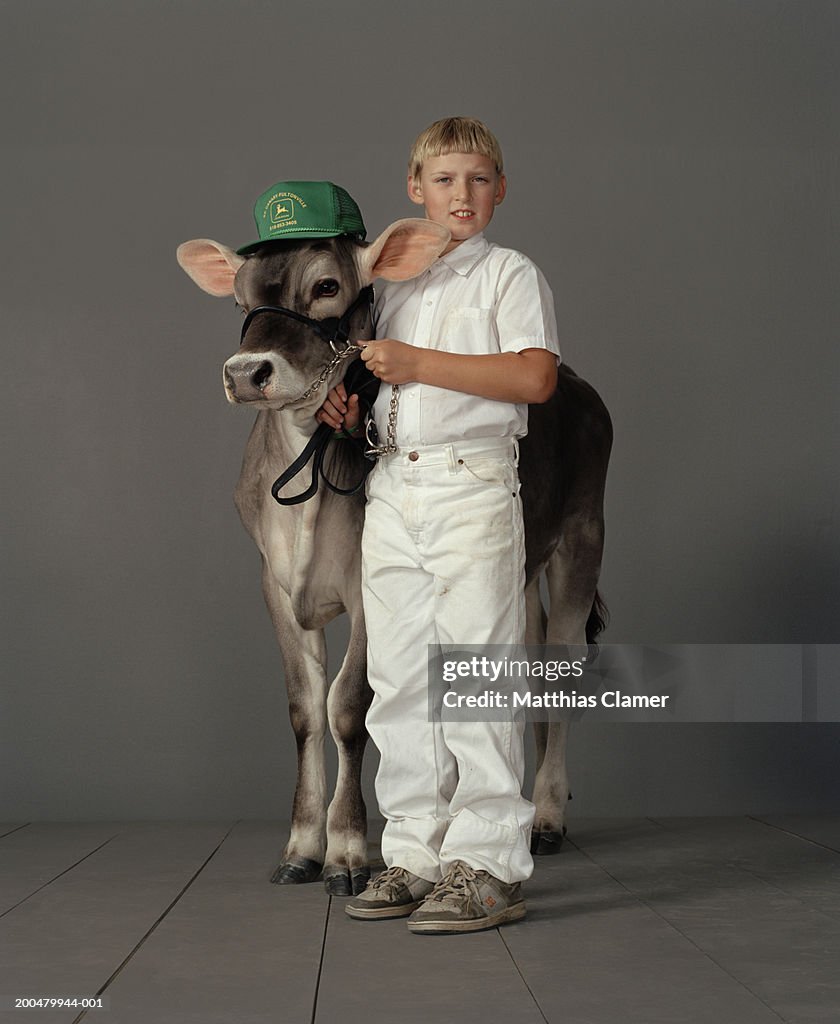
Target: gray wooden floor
[(638, 921)]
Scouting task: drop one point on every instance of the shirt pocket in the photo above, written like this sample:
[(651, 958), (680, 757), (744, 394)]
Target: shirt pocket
[(469, 330)]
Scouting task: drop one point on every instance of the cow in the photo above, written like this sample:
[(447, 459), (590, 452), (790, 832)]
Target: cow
[(311, 567)]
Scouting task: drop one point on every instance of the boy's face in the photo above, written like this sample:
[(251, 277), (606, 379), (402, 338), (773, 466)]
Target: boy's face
[(460, 191)]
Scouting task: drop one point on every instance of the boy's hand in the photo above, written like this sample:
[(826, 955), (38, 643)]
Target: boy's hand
[(340, 411), (391, 361)]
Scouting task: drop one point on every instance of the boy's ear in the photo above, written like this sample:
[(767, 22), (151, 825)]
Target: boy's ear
[(415, 190), (402, 251), (501, 190)]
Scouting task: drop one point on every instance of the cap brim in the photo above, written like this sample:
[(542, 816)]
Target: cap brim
[(291, 235)]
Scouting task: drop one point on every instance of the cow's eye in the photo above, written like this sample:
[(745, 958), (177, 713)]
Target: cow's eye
[(326, 288)]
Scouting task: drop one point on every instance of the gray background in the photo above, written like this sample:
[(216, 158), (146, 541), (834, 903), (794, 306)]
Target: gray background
[(672, 168)]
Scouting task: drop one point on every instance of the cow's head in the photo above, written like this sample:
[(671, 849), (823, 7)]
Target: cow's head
[(321, 278)]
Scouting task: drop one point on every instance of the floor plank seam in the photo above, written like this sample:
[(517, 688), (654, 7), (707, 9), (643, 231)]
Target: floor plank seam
[(119, 968), (679, 931), (321, 961), (522, 976), (795, 835), (17, 828), (736, 865), (55, 878), (788, 895)]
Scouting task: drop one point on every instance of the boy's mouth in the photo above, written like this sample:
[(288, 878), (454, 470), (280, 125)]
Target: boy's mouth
[(463, 214)]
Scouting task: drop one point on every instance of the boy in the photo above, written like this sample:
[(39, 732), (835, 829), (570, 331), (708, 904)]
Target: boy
[(471, 342)]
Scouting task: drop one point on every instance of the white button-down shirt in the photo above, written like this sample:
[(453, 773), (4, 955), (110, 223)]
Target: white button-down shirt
[(479, 299)]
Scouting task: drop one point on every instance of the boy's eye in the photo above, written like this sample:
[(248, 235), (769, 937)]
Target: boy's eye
[(441, 181)]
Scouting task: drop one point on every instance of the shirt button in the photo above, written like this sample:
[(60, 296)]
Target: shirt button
[(414, 456), (429, 302)]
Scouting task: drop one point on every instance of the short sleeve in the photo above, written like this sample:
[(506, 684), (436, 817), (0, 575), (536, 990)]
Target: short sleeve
[(524, 312)]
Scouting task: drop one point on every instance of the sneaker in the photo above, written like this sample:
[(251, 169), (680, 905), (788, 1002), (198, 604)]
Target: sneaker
[(468, 900), (393, 893)]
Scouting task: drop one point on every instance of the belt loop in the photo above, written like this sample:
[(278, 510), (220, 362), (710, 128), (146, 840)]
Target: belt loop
[(516, 453), (450, 460)]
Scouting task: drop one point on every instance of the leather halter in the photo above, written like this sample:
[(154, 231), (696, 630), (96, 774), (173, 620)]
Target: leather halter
[(335, 331)]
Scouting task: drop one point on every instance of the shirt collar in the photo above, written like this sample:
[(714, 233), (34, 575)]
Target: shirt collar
[(465, 256)]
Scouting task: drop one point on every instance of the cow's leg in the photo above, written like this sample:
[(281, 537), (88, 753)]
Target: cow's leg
[(572, 575), (544, 839), (304, 659), (551, 789), (535, 626), (346, 869)]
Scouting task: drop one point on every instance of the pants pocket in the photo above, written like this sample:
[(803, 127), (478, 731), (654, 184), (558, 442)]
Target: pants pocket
[(491, 471)]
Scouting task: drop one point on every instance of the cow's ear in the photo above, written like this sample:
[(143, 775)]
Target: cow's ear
[(210, 264), (403, 250)]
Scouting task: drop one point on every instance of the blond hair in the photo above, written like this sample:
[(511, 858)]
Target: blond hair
[(454, 135)]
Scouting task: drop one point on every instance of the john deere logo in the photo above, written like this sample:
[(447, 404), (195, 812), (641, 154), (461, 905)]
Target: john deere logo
[(282, 210)]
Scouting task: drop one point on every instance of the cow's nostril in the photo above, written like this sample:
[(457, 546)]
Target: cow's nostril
[(260, 376)]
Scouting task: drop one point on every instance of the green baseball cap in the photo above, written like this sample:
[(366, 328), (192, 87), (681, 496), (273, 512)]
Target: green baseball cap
[(304, 209)]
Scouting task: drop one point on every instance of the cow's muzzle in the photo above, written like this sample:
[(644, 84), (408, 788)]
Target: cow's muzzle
[(247, 378)]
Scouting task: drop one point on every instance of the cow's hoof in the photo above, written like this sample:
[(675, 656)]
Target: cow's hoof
[(360, 878), (296, 871), (544, 844), (337, 880), (340, 881)]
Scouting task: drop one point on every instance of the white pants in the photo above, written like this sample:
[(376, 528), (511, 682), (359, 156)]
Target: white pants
[(443, 561)]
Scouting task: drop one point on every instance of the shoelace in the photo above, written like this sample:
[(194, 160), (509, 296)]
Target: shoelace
[(456, 886), (390, 878)]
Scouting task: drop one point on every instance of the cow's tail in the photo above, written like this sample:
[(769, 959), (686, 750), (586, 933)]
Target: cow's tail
[(599, 616)]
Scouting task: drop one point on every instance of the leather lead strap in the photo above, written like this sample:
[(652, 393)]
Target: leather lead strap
[(315, 450), (358, 380)]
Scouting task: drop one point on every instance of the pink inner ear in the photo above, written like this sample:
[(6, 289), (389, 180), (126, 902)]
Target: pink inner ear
[(404, 256), (212, 266), (408, 250)]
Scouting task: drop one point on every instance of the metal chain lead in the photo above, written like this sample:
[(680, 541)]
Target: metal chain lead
[(391, 436), (376, 450), (351, 350)]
